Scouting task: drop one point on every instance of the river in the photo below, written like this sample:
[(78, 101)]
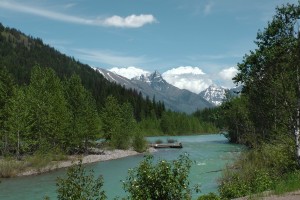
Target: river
[(210, 152)]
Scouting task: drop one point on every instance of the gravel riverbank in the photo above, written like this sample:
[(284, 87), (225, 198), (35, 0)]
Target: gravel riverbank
[(104, 156)]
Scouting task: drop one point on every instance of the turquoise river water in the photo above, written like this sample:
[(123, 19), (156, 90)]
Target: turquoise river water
[(210, 152)]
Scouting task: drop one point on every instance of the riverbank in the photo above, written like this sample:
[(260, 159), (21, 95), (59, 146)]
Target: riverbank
[(73, 159)]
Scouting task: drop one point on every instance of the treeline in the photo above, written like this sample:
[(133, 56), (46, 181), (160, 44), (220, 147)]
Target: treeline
[(266, 116), (47, 114)]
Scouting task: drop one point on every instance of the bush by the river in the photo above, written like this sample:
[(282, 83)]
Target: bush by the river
[(166, 180), (258, 170)]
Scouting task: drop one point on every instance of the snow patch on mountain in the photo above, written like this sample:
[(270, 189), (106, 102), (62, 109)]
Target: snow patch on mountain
[(155, 80), (214, 94)]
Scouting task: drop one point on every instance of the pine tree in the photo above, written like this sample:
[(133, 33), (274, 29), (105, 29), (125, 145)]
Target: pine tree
[(48, 110)]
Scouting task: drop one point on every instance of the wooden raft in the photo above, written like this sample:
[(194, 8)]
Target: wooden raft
[(166, 145)]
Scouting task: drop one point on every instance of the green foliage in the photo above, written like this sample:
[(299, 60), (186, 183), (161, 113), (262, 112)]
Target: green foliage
[(80, 185), (288, 183), (9, 167), (164, 180), (139, 143), (242, 185), (237, 121), (179, 123), (269, 77), (150, 126), (209, 196), (119, 125), (48, 112), (110, 117), (257, 170), (84, 122), (265, 116)]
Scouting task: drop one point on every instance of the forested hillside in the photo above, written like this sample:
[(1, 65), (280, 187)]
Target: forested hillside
[(20, 53)]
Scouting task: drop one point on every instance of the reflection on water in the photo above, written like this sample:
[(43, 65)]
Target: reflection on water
[(210, 153)]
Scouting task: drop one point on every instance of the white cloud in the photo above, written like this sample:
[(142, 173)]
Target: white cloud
[(184, 70), (189, 78), (129, 72), (228, 74), (132, 21)]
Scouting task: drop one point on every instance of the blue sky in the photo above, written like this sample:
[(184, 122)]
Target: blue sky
[(165, 35)]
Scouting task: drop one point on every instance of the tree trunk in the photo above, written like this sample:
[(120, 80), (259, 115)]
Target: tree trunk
[(18, 147), (297, 128)]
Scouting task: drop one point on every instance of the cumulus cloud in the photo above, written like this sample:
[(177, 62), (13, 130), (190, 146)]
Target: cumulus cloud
[(188, 77), (131, 21), (185, 70), (228, 74), (129, 72)]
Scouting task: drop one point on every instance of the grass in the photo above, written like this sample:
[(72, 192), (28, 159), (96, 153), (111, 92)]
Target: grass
[(11, 167), (288, 183)]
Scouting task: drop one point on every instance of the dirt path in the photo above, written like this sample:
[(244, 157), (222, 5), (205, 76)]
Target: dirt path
[(288, 196)]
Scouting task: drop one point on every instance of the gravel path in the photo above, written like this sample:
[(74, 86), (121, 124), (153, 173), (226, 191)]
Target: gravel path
[(288, 196)]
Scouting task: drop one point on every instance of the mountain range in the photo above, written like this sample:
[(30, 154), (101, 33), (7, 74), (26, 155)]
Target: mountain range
[(154, 86)]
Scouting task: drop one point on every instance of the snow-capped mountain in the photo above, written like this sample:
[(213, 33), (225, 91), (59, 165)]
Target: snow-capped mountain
[(155, 80), (217, 94), (214, 94), (153, 85)]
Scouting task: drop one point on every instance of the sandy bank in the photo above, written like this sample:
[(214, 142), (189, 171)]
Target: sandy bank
[(107, 155)]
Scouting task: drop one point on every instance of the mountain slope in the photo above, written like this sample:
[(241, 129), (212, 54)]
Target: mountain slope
[(153, 85)]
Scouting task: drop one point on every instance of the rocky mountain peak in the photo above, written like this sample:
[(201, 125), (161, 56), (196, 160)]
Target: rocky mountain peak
[(155, 80), (214, 94)]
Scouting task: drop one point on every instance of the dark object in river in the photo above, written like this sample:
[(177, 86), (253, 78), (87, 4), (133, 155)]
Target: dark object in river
[(167, 145)]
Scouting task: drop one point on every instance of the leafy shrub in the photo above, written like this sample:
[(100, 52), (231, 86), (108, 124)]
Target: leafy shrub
[(79, 185), (209, 196), (139, 143), (258, 170), (288, 183), (164, 180)]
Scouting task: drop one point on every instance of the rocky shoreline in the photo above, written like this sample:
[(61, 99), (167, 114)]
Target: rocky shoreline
[(104, 156)]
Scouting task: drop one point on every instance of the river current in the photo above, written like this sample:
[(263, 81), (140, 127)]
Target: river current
[(211, 153)]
